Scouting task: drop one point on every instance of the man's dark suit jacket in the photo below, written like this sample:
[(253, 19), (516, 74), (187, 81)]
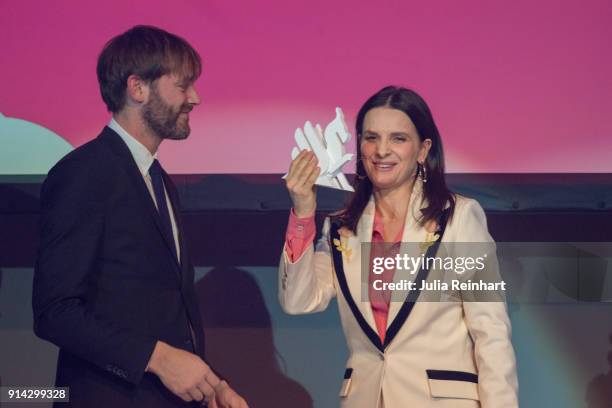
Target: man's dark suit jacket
[(107, 285)]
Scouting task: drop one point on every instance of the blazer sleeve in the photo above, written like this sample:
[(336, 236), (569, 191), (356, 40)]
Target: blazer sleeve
[(71, 241), (307, 285), (488, 322)]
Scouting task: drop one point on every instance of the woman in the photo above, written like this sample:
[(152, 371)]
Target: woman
[(402, 354)]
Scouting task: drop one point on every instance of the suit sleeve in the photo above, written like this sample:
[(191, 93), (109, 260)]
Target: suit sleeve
[(71, 242), (488, 321), (307, 285)]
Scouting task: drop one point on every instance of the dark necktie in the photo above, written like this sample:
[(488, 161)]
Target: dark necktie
[(155, 171)]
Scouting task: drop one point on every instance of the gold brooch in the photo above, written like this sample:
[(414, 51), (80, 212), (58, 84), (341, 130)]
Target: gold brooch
[(429, 240), (346, 251)]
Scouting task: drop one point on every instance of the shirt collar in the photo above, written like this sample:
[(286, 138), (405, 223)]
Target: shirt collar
[(142, 156), (378, 228)]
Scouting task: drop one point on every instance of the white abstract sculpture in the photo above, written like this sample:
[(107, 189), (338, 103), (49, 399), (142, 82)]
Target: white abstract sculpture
[(329, 148)]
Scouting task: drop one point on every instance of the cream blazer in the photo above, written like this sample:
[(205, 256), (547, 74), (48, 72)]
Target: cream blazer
[(441, 354)]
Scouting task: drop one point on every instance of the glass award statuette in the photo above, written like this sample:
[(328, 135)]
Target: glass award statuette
[(329, 147)]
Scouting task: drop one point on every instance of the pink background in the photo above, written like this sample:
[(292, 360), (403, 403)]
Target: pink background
[(517, 86)]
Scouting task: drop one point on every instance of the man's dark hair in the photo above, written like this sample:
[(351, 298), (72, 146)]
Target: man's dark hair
[(148, 52)]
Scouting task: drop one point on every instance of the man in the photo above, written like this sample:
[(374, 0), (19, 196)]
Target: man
[(113, 286)]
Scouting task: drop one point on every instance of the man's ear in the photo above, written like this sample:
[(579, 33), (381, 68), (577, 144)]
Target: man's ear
[(137, 90)]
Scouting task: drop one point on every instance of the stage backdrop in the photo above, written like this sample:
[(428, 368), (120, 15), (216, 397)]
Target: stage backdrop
[(516, 86)]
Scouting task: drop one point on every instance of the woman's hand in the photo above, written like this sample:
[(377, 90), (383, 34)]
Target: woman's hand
[(300, 182)]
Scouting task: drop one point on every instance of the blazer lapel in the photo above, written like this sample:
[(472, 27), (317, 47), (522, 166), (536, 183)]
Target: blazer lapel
[(114, 141), (412, 235), (187, 277), (348, 272), (356, 276), (400, 309)]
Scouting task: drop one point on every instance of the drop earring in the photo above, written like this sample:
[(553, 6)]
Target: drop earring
[(423, 172)]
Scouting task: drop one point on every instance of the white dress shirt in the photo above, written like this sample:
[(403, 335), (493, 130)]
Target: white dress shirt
[(144, 159)]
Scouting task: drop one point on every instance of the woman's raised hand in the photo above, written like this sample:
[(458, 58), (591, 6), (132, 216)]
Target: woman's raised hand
[(300, 183)]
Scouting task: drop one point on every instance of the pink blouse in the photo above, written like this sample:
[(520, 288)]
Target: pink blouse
[(301, 233)]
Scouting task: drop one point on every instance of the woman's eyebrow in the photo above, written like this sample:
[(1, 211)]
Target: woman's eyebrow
[(374, 133)]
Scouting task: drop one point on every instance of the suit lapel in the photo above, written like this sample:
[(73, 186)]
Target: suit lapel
[(187, 270), (187, 277), (348, 273), (117, 145), (356, 277), (400, 309), (412, 235)]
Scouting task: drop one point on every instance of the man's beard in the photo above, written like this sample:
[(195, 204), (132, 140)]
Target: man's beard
[(162, 119)]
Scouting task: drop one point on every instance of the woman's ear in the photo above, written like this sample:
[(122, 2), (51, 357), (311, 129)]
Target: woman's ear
[(425, 146)]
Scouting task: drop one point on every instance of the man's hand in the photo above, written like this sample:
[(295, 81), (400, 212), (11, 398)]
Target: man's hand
[(183, 373), (226, 397)]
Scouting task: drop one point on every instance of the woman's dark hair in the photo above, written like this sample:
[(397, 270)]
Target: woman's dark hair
[(148, 52), (435, 190)]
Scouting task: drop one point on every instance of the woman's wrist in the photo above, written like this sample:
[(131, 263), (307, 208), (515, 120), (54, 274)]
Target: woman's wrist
[(304, 213)]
